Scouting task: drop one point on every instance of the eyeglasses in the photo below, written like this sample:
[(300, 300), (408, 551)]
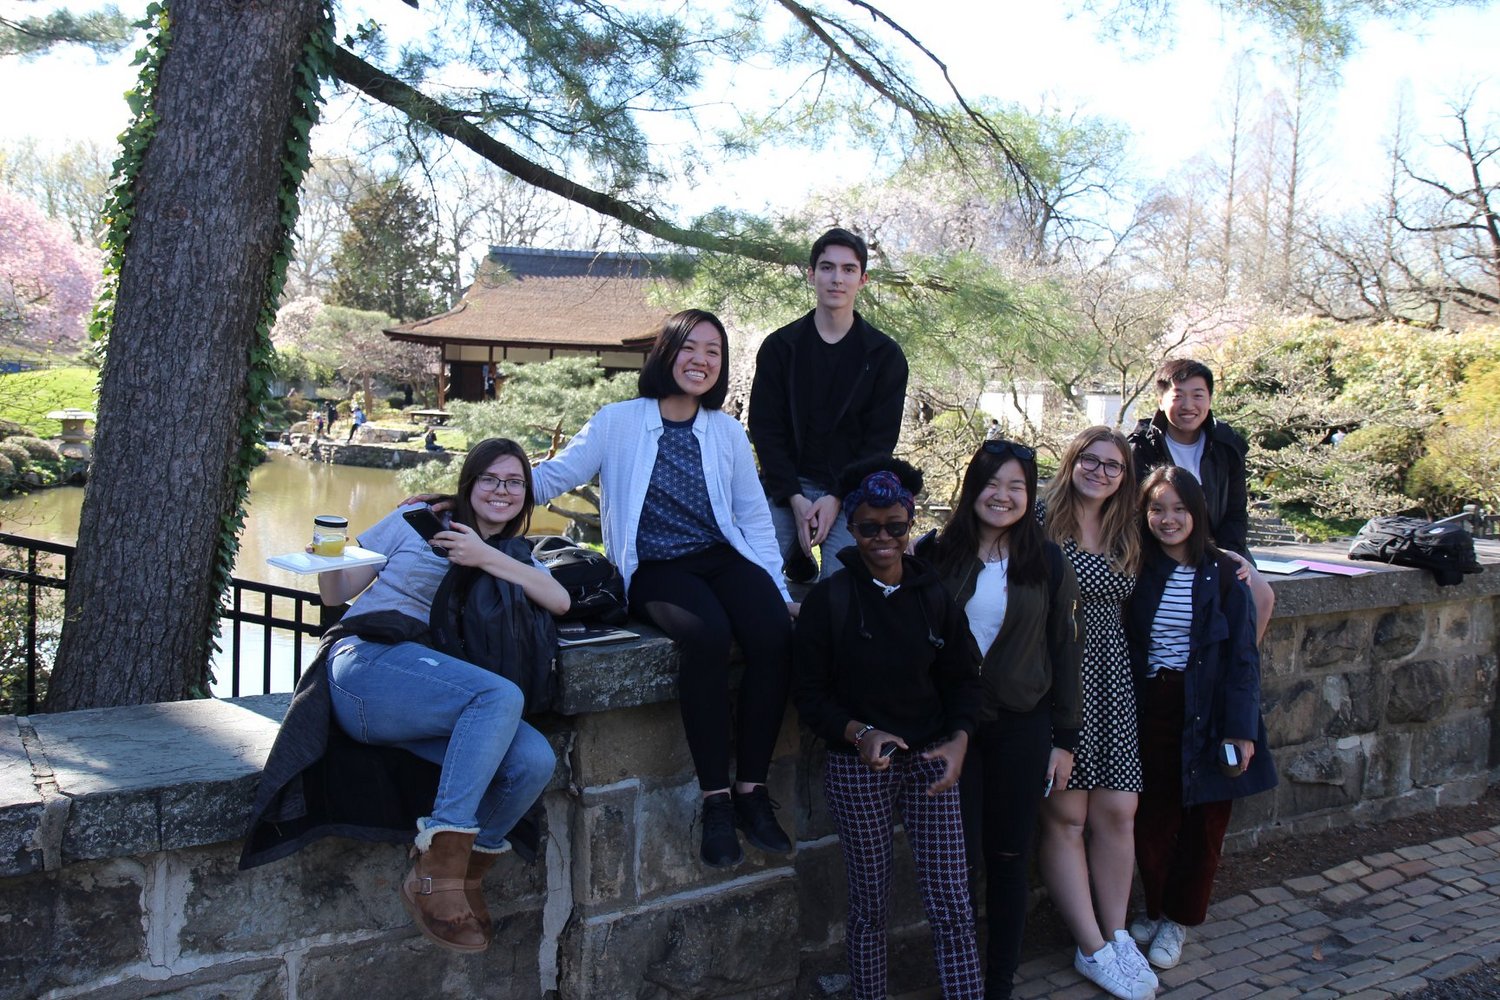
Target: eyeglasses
[(871, 529), (490, 484), (1001, 447), (1093, 463)]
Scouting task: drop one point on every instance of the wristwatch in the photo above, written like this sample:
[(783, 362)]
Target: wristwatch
[(863, 733)]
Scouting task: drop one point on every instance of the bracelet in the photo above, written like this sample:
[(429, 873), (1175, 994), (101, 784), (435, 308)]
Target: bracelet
[(862, 734)]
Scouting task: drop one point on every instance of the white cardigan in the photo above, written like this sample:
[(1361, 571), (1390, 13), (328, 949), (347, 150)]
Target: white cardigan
[(619, 445)]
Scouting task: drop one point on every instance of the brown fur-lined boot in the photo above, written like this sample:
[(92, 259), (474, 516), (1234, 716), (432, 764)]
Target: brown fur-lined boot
[(433, 892)]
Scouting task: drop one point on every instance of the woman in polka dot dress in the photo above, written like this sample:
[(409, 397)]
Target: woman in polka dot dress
[(1090, 512)]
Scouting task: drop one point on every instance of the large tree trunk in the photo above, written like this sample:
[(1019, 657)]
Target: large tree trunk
[(173, 395)]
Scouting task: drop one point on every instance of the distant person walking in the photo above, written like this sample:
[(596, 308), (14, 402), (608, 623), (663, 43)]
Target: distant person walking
[(333, 416), (318, 432), (359, 421)]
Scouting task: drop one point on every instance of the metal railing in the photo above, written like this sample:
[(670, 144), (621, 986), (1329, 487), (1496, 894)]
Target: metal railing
[(280, 613)]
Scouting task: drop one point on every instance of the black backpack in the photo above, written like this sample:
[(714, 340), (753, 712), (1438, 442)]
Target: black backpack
[(490, 623), (592, 581), (1444, 547)]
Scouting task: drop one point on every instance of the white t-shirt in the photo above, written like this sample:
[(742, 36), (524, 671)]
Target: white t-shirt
[(986, 609), (1187, 456)]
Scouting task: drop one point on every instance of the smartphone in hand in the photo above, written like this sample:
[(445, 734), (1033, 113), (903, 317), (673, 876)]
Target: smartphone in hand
[(425, 523)]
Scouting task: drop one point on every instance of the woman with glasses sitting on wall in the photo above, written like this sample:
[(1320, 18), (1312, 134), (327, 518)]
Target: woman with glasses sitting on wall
[(1021, 601), (388, 687), (886, 675)]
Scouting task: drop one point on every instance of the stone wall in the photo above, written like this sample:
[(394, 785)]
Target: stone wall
[(366, 454), (118, 828)]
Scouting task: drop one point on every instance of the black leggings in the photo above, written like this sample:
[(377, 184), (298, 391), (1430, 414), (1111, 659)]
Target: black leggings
[(700, 601)]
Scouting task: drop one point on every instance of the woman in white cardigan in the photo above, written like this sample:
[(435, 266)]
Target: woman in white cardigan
[(686, 521)]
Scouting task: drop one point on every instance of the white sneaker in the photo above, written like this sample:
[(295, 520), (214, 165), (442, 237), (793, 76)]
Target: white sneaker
[(1143, 929), (1131, 958), (1166, 947), (1104, 970)]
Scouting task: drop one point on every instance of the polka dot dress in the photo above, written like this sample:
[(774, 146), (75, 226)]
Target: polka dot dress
[(1109, 754)]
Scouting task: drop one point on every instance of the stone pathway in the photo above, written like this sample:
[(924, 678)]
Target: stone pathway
[(1382, 926)]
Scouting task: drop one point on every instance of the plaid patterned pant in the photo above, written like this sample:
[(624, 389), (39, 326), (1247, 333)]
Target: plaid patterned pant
[(863, 803)]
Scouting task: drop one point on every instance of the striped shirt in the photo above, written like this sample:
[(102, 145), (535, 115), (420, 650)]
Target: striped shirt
[(1171, 629)]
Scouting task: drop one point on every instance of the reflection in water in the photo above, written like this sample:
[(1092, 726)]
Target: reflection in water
[(285, 493)]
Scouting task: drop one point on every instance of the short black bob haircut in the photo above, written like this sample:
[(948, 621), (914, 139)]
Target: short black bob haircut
[(656, 381), (840, 238)]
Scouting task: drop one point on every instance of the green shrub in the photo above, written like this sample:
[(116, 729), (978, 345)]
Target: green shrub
[(10, 429), (7, 474)]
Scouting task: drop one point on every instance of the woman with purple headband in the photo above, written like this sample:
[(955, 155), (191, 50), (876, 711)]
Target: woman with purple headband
[(885, 672)]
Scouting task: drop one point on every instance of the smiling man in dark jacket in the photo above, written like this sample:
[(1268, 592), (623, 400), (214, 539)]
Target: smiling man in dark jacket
[(1184, 433), (829, 390)]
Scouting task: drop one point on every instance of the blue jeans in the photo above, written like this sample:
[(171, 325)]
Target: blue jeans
[(454, 714), (785, 523)]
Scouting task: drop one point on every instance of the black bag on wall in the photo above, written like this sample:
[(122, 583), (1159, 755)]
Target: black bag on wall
[(1444, 547), (592, 581)]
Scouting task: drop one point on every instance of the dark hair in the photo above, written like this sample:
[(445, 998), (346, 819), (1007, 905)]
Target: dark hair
[(1179, 370), (1199, 544), (837, 237), (656, 381), (855, 472), (483, 455), (958, 542)]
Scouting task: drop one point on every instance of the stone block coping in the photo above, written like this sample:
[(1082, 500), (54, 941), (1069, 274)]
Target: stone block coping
[(100, 783), (114, 782)]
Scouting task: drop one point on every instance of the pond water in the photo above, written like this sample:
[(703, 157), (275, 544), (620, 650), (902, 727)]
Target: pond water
[(285, 493)]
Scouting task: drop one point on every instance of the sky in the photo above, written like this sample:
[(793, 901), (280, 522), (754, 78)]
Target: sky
[(1166, 93)]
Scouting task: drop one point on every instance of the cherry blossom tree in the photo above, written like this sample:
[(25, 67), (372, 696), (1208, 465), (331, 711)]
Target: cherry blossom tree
[(46, 281)]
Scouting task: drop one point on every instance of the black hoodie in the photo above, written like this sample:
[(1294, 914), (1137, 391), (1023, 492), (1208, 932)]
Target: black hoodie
[(905, 664)]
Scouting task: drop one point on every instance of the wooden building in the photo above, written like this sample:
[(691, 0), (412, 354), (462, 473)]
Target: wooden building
[(531, 305)]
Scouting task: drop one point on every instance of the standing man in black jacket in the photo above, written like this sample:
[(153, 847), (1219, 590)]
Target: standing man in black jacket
[(1184, 433), (829, 390)]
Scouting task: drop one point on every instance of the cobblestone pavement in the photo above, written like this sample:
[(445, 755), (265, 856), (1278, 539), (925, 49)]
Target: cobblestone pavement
[(1382, 926)]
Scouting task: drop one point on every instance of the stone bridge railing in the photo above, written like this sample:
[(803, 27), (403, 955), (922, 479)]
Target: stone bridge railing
[(119, 828)]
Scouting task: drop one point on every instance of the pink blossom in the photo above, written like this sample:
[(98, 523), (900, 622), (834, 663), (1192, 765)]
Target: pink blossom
[(47, 281)]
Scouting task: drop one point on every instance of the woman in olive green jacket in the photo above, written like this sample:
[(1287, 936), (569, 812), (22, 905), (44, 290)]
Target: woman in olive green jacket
[(1021, 600)]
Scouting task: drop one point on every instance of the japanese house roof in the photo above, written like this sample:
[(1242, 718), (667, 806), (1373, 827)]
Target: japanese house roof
[(551, 298)]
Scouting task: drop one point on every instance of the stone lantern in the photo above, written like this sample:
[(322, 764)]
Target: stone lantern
[(75, 437)]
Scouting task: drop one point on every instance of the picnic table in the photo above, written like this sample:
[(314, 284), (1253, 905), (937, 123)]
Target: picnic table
[(439, 417)]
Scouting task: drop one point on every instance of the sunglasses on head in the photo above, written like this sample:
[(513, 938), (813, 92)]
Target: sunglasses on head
[(870, 529), (999, 447)]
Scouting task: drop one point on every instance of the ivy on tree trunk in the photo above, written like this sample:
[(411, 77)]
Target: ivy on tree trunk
[(205, 212)]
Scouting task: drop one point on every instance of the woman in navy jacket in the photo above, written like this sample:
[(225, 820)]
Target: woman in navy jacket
[(1191, 627)]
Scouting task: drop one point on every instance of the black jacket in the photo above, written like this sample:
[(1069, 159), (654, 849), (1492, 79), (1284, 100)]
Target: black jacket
[(905, 664), (1222, 681), (869, 421), (1222, 473), (1037, 656)]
